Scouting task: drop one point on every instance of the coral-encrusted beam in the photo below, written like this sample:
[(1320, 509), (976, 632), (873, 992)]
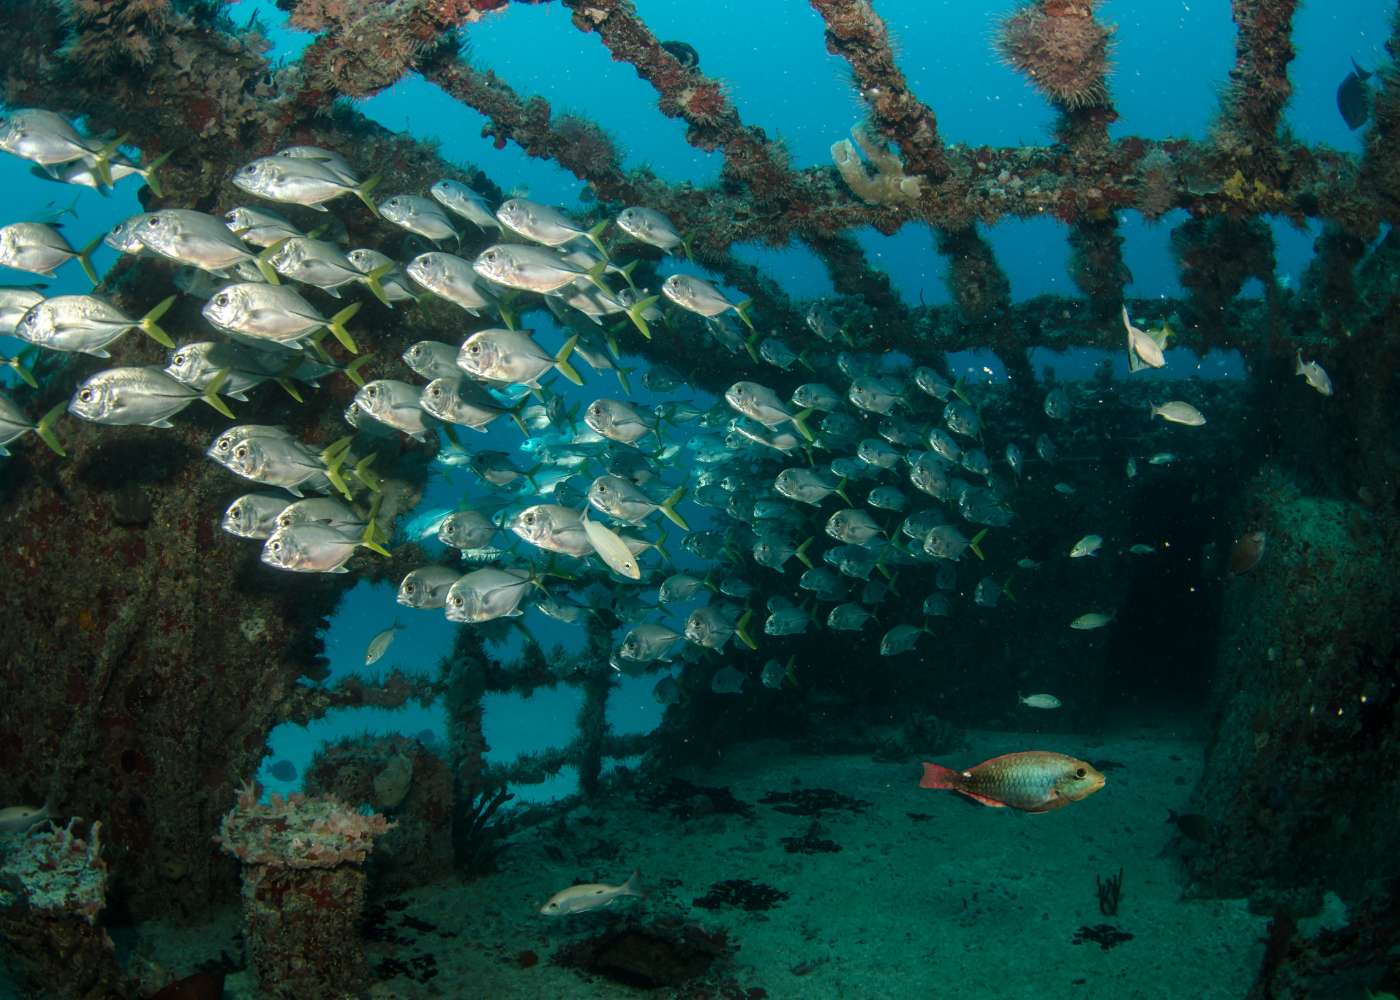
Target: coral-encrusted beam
[(1381, 165), (749, 156), (1259, 79), (576, 144), (856, 33)]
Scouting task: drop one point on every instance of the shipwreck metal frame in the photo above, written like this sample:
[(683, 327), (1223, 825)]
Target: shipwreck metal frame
[(181, 76)]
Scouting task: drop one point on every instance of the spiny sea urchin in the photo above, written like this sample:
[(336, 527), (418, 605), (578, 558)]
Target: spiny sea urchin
[(1061, 48)]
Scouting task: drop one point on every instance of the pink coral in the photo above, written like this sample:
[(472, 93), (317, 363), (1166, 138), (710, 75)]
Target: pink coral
[(298, 831)]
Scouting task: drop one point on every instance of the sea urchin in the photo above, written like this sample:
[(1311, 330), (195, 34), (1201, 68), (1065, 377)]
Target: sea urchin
[(1061, 48)]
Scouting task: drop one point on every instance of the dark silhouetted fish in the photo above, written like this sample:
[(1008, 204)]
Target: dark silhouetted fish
[(1194, 826), (283, 770), (1354, 97)]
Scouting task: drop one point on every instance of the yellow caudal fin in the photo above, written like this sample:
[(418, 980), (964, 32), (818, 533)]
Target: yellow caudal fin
[(799, 421), (561, 361), (352, 370), (801, 553), (668, 508), (976, 544), (595, 236), (44, 428), (289, 388), (102, 160), (336, 325), (151, 328), (626, 271), (363, 193), (634, 313), (264, 262), (148, 173), (211, 393), (372, 279), (741, 629), (743, 310), (85, 259)]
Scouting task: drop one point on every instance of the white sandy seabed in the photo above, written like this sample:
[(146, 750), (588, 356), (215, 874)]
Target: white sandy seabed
[(971, 902)]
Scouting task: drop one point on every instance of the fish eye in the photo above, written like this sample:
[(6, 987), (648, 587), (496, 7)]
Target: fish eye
[(436, 391), (372, 391), (241, 451), (408, 588), (1079, 773), (179, 359), (275, 546), (474, 349), (529, 518), (85, 395), (456, 601)]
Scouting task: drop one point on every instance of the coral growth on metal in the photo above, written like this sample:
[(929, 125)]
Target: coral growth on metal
[(149, 698), (298, 831)]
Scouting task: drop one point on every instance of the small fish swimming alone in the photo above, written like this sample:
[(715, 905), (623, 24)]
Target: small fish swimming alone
[(1031, 780), (1177, 412), (1247, 552), (1045, 701), (379, 645), (590, 896), (1354, 97), (1313, 373), (1089, 545), (1090, 621)]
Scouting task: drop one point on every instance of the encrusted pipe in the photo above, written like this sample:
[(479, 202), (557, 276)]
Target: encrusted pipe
[(1259, 85), (303, 890), (53, 884), (856, 33)]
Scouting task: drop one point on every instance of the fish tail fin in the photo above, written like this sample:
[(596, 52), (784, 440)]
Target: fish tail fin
[(211, 392), (802, 360), (685, 245), (626, 271), (529, 475), (790, 674), (151, 328), (336, 325), (561, 361), (801, 553), (506, 312), (514, 412), (634, 313), (1298, 362), (316, 341), (840, 491), (289, 388), (741, 629), (623, 380), (367, 540), (365, 474), (352, 370), (595, 275), (451, 435), (668, 507), (1006, 589), (372, 280), (595, 236), (893, 579), (633, 885), (799, 421), (44, 428), (264, 262), (938, 776), (363, 193), (102, 160), (85, 258), (751, 345), (148, 173), (25, 372), (660, 546), (743, 310), (976, 544)]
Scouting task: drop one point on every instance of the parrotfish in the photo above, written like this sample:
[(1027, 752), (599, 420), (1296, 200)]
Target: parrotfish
[(1031, 780)]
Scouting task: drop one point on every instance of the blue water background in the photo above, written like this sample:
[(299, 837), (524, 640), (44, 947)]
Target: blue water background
[(1170, 63)]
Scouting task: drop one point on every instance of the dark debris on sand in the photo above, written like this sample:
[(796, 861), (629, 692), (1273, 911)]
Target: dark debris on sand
[(687, 800), (741, 894), (1106, 936), (813, 802)]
